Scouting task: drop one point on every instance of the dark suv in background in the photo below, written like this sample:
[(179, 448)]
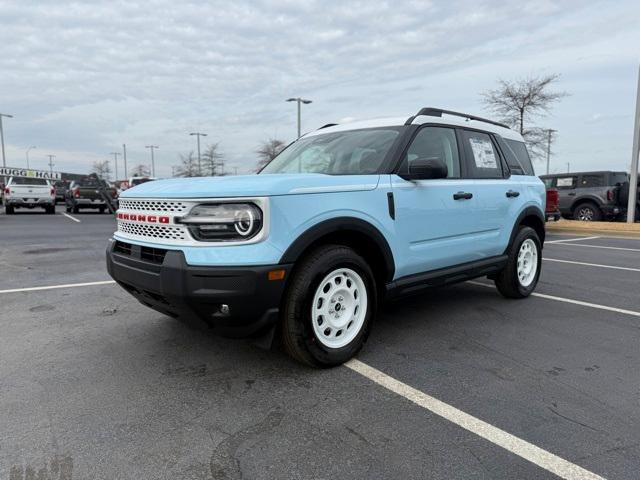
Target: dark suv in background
[(589, 196)]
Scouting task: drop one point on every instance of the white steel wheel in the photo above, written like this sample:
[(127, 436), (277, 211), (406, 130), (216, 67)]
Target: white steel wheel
[(339, 308), (527, 262)]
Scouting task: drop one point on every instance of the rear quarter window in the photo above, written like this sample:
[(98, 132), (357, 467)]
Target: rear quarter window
[(518, 158), (564, 183), (592, 181)]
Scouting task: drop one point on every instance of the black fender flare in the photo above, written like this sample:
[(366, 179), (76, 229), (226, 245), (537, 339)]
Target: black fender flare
[(586, 198), (341, 224), (527, 212)]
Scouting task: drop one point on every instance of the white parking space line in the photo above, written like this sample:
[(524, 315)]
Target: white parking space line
[(544, 459), (54, 287), (569, 300), (596, 246), (629, 269), (72, 218), (571, 239)]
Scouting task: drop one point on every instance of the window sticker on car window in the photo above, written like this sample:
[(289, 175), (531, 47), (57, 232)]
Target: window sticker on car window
[(483, 153), (565, 182)]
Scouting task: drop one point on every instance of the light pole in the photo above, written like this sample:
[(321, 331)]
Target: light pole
[(115, 159), (633, 173), (27, 154), (550, 133), (51, 157), (124, 156), (299, 101), (198, 134), (153, 163), (4, 160)]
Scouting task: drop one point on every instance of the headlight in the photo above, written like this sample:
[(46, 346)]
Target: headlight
[(224, 222)]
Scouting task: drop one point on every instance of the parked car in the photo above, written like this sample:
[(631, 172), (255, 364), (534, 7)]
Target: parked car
[(61, 187), (552, 208), (623, 197), (344, 218), (90, 192), (28, 192), (588, 196)]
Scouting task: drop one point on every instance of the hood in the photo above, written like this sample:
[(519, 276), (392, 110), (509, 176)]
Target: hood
[(251, 186)]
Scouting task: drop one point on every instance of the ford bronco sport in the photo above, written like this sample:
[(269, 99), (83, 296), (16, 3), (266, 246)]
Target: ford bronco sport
[(343, 218)]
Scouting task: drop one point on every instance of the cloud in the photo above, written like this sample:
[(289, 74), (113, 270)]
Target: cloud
[(83, 78)]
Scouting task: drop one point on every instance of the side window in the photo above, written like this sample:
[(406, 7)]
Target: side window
[(435, 143), (590, 181), (566, 183), (482, 158)]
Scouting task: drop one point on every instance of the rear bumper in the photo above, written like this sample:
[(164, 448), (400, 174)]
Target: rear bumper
[(29, 202), (234, 301)]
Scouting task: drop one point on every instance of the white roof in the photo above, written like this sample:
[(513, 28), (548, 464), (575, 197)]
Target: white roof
[(399, 121)]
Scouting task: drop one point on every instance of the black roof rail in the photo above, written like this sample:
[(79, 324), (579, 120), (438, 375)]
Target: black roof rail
[(328, 125), (437, 112)]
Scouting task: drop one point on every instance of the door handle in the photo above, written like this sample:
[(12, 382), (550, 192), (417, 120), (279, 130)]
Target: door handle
[(512, 194), (462, 196), (572, 194)]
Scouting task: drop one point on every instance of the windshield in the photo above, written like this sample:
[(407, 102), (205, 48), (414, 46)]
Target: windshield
[(355, 152), (138, 181)]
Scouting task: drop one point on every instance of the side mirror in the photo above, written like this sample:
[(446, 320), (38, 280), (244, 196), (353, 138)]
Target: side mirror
[(425, 168)]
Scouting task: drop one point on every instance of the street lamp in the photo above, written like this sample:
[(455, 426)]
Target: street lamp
[(299, 101), (27, 154), (198, 134), (115, 159), (4, 161), (550, 132), (51, 164), (153, 164)]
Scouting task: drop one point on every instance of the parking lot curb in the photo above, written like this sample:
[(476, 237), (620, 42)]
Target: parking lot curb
[(612, 229)]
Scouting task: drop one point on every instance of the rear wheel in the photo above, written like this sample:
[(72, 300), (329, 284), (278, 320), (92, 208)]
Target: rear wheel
[(75, 209), (587, 212), (50, 209), (520, 276), (101, 209), (8, 210), (329, 307)]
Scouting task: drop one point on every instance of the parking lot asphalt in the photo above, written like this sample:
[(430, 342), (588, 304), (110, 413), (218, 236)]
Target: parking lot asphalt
[(95, 385)]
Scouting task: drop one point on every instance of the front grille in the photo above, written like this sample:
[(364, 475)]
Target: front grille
[(172, 206), (122, 247), (160, 232), (155, 255)]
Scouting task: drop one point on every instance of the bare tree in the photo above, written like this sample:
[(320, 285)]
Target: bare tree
[(268, 150), (102, 168), (188, 166), (213, 161), (520, 102), (141, 170)]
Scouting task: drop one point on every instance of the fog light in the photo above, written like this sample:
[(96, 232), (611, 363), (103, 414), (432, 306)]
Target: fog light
[(224, 309)]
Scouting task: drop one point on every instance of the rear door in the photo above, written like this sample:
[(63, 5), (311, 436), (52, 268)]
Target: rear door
[(566, 185), (434, 225), (497, 197)]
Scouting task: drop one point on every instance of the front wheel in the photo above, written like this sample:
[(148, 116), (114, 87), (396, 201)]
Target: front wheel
[(520, 276), (329, 307)]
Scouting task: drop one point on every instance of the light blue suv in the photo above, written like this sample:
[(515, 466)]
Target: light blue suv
[(344, 218)]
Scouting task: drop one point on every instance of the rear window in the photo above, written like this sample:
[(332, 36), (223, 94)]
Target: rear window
[(28, 181), (138, 181), (619, 178), (90, 182), (548, 181), (518, 158)]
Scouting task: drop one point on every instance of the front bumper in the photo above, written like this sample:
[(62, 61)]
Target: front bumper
[(234, 301)]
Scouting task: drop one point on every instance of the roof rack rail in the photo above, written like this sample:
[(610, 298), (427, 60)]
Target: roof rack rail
[(328, 125), (437, 112)]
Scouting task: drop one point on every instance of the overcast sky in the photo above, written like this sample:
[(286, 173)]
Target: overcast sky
[(81, 79)]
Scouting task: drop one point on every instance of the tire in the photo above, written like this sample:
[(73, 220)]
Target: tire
[(518, 282), (68, 209), (8, 210), (101, 209), (587, 212), (309, 334), (75, 209), (50, 210)]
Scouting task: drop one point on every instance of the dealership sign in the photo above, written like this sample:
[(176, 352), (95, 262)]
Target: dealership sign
[(26, 172)]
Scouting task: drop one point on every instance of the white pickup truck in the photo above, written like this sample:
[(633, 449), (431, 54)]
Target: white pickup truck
[(23, 192)]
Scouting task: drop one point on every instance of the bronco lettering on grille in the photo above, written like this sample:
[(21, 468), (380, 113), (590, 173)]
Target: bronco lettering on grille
[(136, 217)]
